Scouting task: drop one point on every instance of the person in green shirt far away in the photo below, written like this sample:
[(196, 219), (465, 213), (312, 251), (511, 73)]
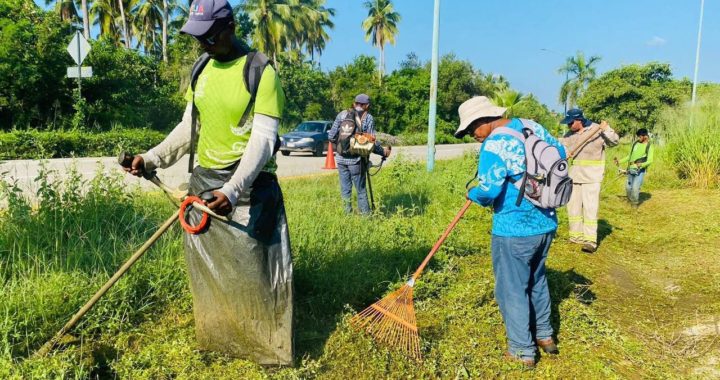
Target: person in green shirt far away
[(640, 157)]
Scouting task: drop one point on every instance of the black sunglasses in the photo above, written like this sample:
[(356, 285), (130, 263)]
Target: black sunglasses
[(210, 38)]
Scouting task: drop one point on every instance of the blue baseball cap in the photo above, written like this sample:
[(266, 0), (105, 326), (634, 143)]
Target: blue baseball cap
[(575, 114), (203, 14)]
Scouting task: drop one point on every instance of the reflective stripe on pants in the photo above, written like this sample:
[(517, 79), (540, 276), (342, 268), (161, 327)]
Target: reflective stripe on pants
[(583, 211)]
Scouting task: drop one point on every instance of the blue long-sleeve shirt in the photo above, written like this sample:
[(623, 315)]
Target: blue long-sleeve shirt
[(502, 159), (368, 126)]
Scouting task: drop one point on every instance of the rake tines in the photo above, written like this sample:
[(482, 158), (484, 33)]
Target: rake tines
[(392, 321)]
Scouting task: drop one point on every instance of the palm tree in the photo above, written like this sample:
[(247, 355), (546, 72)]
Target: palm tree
[(148, 20), (66, 9), (104, 13), (166, 10), (381, 27), (313, 19), (124, 23), (509, 99), (86, 19), (580, 73), (272, 19)]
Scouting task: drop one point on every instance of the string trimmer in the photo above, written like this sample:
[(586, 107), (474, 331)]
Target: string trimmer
[(178, 197), (368, 164)]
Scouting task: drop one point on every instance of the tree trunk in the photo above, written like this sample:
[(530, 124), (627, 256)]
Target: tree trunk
[(165, 31), (86, 20), (381, 69), (124, 24)]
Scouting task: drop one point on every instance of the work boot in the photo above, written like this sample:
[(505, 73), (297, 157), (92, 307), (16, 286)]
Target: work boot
[(548, 345), (589, 247), (529, 363)]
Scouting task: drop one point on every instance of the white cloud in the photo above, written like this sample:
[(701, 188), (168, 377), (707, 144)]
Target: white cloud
[(656, 41)]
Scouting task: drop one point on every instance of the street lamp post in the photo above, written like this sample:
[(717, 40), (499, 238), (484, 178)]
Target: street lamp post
[(697, 53), (433, 89)]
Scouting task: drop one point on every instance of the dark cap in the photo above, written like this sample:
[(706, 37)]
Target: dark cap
[(203, 14), (642, 132), (575, 114), (362, 99)]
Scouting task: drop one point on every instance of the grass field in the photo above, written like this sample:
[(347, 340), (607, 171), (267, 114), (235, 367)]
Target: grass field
[(644, 306)]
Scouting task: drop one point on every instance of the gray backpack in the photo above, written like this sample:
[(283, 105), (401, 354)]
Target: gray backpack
[(545, 183)]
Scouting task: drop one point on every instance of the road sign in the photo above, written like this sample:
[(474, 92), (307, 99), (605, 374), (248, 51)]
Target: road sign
[(85, 72), (78, 48)]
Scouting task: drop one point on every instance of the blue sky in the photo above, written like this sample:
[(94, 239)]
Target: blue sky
[(505, 37)]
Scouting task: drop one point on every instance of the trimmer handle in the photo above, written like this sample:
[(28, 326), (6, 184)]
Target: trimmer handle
[(125, 160), (207, 196)]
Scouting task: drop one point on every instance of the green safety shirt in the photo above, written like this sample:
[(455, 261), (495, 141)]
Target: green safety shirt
[(221, 99), (638, 152)]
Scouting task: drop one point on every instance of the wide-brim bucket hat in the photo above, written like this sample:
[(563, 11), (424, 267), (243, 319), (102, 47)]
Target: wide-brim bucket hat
[(477, 107)]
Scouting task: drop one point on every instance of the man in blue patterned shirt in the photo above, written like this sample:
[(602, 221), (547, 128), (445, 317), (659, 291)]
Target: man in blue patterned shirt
[(351, 168), (521, 234)]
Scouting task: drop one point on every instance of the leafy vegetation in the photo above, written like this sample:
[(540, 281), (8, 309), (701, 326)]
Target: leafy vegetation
[(633, 96), (621, 313), (33, 144)]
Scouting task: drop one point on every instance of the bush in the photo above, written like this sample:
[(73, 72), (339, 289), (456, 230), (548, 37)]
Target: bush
[(33, 144), (693, 147)]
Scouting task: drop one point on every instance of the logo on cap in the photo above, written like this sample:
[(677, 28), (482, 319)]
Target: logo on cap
[(198, 10)]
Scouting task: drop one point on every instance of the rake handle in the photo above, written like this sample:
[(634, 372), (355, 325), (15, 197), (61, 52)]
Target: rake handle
[(445, 234)]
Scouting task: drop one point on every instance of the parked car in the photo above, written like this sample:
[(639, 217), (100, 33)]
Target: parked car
[(308, 136)]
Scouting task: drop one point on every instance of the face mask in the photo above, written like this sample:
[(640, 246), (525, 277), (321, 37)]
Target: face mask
[(359, 109)]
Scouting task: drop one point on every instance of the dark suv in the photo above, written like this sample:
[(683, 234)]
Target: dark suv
[(309, 136)]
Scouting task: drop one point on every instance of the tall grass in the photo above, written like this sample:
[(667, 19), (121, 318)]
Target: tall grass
[(59, 245), (693, 143)]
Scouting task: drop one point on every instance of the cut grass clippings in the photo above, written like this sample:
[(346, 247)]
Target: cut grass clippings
[(621, 313)]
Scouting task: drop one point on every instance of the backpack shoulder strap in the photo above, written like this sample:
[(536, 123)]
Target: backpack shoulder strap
[(197, 69), (255, 64), (632, 149), (509, 131)]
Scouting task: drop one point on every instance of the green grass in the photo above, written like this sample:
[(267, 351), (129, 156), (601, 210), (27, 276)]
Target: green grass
[(622, 313)]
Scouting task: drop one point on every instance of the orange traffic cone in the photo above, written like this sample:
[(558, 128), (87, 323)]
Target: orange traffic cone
[(330, 158)]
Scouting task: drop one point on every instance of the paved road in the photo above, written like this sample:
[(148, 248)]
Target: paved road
[(297, 164)]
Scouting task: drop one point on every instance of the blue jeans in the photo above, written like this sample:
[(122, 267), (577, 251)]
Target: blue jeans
[(350, 175), (633, 186), (521, 290)]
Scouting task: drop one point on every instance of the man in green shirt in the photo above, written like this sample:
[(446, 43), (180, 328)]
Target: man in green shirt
[(240, 272), (641, 156)]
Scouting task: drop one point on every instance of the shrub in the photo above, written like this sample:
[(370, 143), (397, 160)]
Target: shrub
[(33, 144)]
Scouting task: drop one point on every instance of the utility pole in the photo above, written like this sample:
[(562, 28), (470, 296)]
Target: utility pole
[(433, 89), (697, 53)]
